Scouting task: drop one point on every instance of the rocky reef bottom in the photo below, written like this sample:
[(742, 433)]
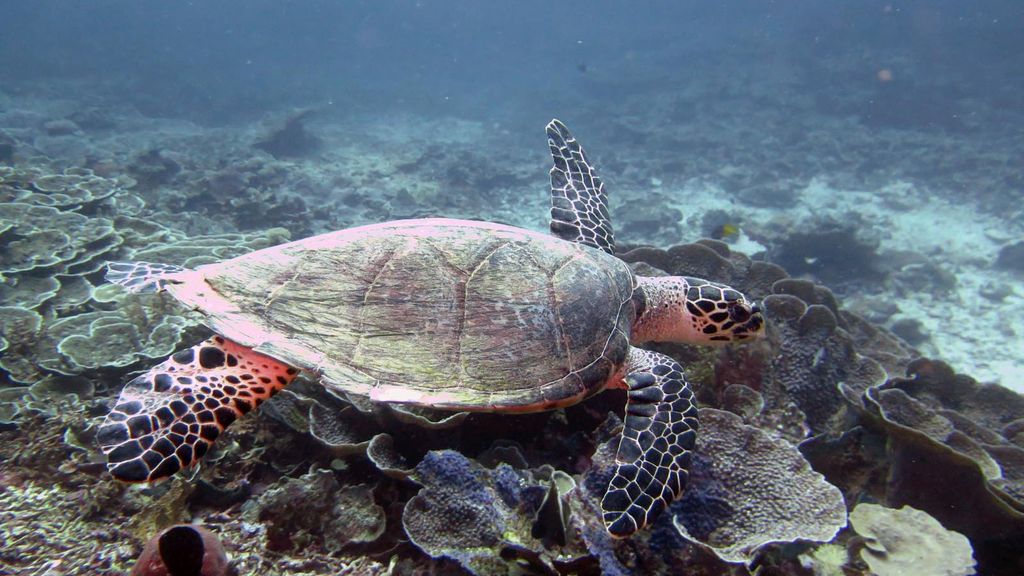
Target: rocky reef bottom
[(828, 418), (837, 445)]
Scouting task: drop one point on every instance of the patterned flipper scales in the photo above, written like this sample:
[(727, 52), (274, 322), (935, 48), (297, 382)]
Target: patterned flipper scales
[(658, 436), (166, 420), (579, 206)]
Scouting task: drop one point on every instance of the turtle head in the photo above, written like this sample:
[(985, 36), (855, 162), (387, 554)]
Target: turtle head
[(695, 311)]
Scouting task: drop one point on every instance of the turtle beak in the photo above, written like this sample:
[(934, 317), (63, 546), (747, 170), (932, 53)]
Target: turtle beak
[(753, 325)]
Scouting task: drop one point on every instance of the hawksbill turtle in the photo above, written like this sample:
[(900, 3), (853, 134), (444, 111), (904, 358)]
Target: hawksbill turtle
[(445, 313)]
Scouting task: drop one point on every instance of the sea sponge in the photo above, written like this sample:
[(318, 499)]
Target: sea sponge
[(183, 550)]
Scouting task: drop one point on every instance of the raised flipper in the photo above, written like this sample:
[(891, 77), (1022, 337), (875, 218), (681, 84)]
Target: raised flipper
[(579, 206), (141, 276), (165, 420), (658, 436)]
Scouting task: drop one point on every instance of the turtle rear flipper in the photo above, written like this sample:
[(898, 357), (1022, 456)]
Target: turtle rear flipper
[(165, 420), (141, 276), (658, 436)]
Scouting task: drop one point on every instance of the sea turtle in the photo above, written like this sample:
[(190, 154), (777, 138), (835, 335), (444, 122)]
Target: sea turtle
[(446, 313)]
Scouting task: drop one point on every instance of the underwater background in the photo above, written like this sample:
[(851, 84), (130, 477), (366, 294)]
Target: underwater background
[(855, 166)]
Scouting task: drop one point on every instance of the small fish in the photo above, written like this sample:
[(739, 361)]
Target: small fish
[(727, 231), (582, 68)]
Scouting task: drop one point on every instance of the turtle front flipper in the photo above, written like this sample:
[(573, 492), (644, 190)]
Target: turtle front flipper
[(165, 420), (579, 206), (659, 432)]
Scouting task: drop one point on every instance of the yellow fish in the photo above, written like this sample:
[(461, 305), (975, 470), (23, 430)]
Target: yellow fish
[(728, 230)]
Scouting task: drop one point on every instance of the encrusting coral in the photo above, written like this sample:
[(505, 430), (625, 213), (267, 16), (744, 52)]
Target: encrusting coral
[(315, 510), (749, 489), (935, 419), (480, 518), (909, 542), (59, 230)]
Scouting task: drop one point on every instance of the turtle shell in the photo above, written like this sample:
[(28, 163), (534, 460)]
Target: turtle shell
[(437, 312)]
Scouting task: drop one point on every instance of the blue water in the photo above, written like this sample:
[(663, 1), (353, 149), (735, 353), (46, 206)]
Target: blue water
[(229, 59), (684, 67)]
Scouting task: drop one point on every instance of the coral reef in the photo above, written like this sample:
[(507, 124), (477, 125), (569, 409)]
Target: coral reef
[(916, 131), (871, 434), (292, 139), (483, 519), (749, 489), (1011, 257), (814, 355), (314, 509), (44, 528), (794, 429), (907, 541), (60, 325), (832, 252), (934, 420)]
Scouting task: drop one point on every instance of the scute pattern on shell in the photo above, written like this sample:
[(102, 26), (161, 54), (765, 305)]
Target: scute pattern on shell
[(339, 305)]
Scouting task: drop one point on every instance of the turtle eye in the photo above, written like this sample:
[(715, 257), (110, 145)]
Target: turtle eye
[(739, 312)]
